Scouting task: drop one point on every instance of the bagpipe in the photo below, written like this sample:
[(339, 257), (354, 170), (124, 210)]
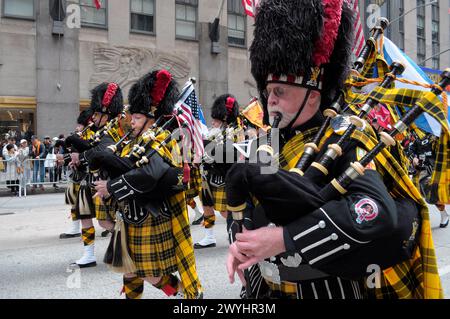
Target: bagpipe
[(311, 149), (307, 187)]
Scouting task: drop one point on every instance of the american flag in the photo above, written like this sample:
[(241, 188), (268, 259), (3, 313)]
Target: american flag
[(250, 7), (192, 115), (359, 32)]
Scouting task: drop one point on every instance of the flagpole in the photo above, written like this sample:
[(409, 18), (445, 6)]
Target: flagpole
[(433, 56), (220, 9)]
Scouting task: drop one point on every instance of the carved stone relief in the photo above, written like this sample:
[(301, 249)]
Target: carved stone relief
[(124, 65)]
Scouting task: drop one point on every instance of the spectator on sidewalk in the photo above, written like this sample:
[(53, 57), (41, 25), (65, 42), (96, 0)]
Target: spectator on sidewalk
[(11, 141), (38, 154), (50, 162), (24, 165), (11, 169)]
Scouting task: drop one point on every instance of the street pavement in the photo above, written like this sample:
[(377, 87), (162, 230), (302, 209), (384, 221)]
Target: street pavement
[(34, 261)]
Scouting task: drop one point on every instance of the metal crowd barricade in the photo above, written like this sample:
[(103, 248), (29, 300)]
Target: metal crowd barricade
[(10, 177), (40, 172)]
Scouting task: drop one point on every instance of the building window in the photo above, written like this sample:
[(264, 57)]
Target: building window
[(420, 31), (186, 18), (435, 64), (401, 25), (236, 23), (435, 54), (420, 50), (16, 122), (91, 16), (23, 9), (435, 35), (143, 16), (421, 26)]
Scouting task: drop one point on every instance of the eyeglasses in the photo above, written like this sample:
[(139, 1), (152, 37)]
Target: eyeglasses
[(278, 91)]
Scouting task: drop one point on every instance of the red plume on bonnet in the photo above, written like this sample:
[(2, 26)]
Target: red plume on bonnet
[(230, 104), (163, 79), (332, 11), (109, 94)]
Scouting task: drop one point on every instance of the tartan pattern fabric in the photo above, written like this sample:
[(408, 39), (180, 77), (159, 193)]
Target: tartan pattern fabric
[(286, 290), (133, 287), (152, 247), (184, 247), (115, 133), (195, 184), (73, 214), (401, 98), (209, 221), (191, 202), (88, 235), (168, 283), (218, 196), (102, 209), (418, 277)]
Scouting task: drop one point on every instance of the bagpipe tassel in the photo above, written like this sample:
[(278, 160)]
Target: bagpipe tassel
[(117, 256)]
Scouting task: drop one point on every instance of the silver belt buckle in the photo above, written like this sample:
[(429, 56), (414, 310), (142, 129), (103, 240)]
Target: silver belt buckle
[(270, 272)]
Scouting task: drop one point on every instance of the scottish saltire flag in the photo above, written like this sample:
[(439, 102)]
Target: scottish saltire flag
[(191, 115), (202, 121), (412, 72)]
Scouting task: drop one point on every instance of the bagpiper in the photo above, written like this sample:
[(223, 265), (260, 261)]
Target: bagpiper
[(309, 237), (71, 194), (152, 234), (106, 106), (225, 117)]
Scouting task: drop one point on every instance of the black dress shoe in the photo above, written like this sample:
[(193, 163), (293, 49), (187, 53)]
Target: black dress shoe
[(92, 264), (198, 221), (198, 246), (65, 236), (444, 224)]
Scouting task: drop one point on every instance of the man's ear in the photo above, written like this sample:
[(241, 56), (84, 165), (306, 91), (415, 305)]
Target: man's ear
[(314, 98)]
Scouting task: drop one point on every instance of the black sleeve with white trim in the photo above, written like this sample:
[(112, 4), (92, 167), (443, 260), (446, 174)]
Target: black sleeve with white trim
[(138, 181), (102, 146), (340, 226)]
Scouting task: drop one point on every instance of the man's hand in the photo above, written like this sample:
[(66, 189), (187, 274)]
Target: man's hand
[(75, 159), (234, 259), (259, 244), (102, 189)]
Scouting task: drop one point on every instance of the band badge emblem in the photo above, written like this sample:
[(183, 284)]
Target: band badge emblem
[(270, 272), (315, 72), (366, 210)]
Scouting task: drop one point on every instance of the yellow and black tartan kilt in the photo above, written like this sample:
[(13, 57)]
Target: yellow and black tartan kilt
[(153, 245), (103, 210), (195, 184), (219, 198)]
